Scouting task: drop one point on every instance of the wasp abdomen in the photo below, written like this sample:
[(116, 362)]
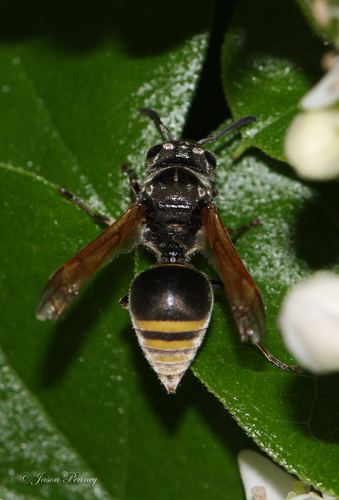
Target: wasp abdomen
[(170, 306)]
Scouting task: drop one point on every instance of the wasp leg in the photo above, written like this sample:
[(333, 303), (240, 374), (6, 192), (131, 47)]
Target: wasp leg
[(217, 284), (97, 216), (276, 362), (264, 351), (124, 302), (237, 232), (132, 177)]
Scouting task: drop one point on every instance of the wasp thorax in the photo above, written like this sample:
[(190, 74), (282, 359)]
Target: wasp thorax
[(170, 307)]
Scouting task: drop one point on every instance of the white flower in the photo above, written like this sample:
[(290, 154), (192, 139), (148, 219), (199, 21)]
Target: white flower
[(258, 471), (325, 93), (312, 144), (309, 321), (312, 140), (264, 480)]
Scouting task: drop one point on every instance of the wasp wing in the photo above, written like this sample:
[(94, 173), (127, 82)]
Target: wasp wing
[(243, 295), (65, 284)]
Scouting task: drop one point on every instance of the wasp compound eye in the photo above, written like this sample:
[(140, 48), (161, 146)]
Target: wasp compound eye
[(210, 158), (170, 306)]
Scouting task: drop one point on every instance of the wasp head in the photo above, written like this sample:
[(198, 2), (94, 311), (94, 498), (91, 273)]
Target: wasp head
[(180, 153)]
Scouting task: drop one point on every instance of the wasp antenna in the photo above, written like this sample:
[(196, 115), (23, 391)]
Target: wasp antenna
[(277, 362), (245, 120), (153, 115)]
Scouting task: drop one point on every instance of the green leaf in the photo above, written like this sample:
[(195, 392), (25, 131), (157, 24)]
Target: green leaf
[(294, 418), (78, 396), (270, 60)]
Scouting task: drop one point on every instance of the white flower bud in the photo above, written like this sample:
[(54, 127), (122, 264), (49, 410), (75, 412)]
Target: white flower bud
[(309, 321), (312, 144)]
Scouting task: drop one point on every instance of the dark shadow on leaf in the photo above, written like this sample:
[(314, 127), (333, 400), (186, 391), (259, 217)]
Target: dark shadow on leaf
[(209, 108), (316, 232), (279, 167), (70, 333), (217, 417), (141, 28), (314, 404)]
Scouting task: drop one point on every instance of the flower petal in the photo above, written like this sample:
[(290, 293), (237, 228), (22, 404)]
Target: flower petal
[(325, 93), (259, 471)]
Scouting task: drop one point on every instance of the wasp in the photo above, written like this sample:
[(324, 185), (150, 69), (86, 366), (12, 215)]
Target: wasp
[(174, 216)]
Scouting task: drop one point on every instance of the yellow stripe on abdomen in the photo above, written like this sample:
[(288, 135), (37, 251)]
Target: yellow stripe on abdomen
[(170, 326), (170, 358), (168, 345)]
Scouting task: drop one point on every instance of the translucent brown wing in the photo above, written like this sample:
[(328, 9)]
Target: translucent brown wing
[(243, 295), (65, 283)]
